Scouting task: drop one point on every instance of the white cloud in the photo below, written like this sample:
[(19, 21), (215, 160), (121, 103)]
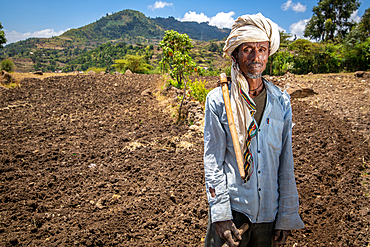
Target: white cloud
[(159, 5), (354, 17), (299, 8), (298, 28), (296, 7), (14, 36), (193, 16), (220, 20)]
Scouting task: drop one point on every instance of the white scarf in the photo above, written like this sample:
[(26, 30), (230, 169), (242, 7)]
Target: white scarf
[(241, 111)]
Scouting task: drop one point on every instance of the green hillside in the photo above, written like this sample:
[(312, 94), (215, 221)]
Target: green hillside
[(205, 54), (128, 26), (125, 26), (195, 30), (130, 32), (104, 56), (134, 27)]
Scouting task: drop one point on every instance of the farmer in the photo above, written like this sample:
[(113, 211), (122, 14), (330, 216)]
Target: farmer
[(266, 198)]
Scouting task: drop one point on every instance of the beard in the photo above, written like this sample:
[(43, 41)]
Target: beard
[(254, 76)]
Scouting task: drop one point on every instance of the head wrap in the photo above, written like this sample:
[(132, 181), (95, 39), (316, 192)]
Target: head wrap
[(252, 28), (247, 28)]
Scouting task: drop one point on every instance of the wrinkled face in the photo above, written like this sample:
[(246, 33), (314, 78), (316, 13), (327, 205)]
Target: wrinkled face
[(252, 58)]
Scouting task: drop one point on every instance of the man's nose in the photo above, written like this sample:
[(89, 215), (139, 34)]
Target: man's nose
[(254, 55)]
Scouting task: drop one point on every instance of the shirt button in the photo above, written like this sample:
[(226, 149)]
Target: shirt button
[(259, 151), (259, 189), (259, 172), (259, 130)]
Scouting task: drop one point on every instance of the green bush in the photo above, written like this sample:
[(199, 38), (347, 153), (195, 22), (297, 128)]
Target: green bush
[(304, 56), (357, 57), (210, 72), (282, 63), (96, 70), (198, 90), (329, 59), (135, 63), (174, 83), (7, 65), (227, 70)]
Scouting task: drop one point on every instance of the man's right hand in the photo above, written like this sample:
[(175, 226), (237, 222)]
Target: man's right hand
[(226, 230)]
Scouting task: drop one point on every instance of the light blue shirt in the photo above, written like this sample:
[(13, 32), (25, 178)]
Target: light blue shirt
[(271, 193)]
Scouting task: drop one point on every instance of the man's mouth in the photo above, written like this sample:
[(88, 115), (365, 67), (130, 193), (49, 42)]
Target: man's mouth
[(255, 64)]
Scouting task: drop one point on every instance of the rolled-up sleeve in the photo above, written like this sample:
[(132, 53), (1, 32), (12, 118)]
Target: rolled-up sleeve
[(214, 155), (288, 217)]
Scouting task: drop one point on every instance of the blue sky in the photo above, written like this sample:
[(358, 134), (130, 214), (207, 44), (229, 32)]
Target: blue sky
[(22, 19)]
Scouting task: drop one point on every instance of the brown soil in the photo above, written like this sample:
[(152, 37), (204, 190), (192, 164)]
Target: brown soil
[(89, 161), (342, 95)]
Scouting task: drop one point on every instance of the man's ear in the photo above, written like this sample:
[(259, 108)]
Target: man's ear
[(235, 54)]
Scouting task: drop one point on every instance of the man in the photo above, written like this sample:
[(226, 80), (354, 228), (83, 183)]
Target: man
[(266, 198)]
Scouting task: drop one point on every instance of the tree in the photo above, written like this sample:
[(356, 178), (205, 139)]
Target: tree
[(357, 55), (304, 55), (356, 44), (364, 24), (284, 39), (135, 63), (176, 49), (2, 36), (330, 19), (214, 47), (284, 42), (7, 65)]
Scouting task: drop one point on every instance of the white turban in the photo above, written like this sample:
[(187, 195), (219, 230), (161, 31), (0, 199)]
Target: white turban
[(252, 28)]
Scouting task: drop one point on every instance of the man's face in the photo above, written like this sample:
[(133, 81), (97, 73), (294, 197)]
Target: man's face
[(252, 58)]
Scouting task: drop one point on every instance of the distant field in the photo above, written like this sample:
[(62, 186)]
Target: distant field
[(21, 76)]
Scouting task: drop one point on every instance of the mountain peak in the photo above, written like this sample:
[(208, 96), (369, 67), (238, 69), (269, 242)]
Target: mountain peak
[(133, 26)]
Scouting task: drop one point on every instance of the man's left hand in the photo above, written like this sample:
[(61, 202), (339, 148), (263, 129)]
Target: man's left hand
[(280, 236)]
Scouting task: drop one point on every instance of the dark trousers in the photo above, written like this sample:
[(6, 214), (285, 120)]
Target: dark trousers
[(257, 235)]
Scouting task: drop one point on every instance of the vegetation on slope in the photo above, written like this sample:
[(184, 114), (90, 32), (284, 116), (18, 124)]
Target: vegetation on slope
[(129, 32)]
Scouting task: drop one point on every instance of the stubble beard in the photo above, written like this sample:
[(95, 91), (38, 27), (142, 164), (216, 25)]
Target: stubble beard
[(254, 76)]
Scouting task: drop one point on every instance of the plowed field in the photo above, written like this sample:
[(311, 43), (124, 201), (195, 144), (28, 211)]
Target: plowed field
[(90, 161)]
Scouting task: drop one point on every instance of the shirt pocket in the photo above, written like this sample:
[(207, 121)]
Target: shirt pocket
[(223, 119), (224, 122), (275, 133)]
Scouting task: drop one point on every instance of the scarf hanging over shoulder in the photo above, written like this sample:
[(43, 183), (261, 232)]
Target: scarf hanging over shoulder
[(243, 108), (247, 28)]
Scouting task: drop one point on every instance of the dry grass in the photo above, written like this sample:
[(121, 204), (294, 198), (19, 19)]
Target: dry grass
[(133, 145), (165, 102), (20, 76), (181, 142)]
